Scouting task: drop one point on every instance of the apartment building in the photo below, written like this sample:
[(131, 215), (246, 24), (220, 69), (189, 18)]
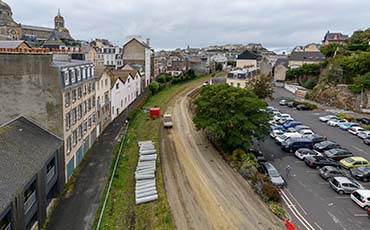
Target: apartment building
[(55, 91), (31, 173), (103, 98)]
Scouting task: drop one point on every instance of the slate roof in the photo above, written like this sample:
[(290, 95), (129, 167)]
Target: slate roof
[(248, 55), (11, 44), (306, 56), (218, 80), (335, 37), (99, 70), (283, 61), (120, 74), (137, 38), (24, 149), (39, 28)]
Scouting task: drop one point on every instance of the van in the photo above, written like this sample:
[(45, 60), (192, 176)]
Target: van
[(293, 144)]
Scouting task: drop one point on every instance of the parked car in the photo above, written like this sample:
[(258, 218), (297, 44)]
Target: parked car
[(328, 172), (348, 125), (273, 174), (337, 153), (292, 104), (276, 132), (301, 107), (285, 120), (306, 132), (325, 145), (281, 116), (326, 118), (362, 198), (363, 120), (258, 154), (316, 138), (364, 134), (343, 184), (361, 173), (270, 109), (367, 141), (300, 127), (305, 152), (280, 139), (355, 130), (320, 161), (167, 121), (292, 124), (292, 144), (354, 162), (283, 102), (336, 122)]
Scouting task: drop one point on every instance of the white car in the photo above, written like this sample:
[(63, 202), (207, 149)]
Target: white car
[(364, 134), (355, 130), (276, 132), (336, 122), (283, 120), (167, 121), (281, 138), (281, 116), (306, 132), (327, 118), (303, 153), (362, 198), (283, 102)]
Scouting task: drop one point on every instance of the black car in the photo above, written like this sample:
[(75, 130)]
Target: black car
[(302, 107), (320, 161), (325, 145), (337, 153), (361, 173), (316, 138), (291, 104), (258, 154), (293, 144), (363, 120)]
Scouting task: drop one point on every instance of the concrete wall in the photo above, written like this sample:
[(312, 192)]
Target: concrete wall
[(133, 51), (243, 63), (234, 82), (280, 73), (31, 87), (103, 109)]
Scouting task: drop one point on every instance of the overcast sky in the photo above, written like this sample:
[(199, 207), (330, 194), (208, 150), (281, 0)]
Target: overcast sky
[(199, 23)]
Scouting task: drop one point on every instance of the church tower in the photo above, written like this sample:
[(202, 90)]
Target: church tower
[(59, 22)]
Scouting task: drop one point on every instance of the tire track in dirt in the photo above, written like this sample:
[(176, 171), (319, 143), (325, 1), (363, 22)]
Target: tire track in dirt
[(202, 190)]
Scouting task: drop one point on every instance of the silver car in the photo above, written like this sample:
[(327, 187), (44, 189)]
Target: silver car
[(343, 184), (273, 174)]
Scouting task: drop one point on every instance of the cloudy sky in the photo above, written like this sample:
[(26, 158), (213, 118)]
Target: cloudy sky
[(199, 23)]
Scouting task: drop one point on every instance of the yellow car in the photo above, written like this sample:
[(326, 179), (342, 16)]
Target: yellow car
[(354, 162)]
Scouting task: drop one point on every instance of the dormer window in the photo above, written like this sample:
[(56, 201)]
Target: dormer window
[(66, 78), (78, 74)]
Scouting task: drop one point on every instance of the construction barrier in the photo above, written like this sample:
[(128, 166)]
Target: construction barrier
[(289, 225)]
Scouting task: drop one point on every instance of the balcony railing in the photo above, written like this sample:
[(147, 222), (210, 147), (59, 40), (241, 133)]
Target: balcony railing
[(50, 174), (30, 202)]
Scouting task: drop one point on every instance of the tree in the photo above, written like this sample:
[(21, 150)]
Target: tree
[(330, 49), (262, 86), (154, 87), (231, 116), (218, 67), (359, 37)]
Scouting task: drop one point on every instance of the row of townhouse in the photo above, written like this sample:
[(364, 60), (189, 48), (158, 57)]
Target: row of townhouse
[(52, 109)]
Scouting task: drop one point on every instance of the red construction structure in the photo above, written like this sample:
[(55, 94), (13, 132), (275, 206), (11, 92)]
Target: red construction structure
[(154, 112), (289, 225)]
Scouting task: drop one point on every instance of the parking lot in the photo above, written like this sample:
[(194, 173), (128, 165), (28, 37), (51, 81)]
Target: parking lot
[(309, 199)]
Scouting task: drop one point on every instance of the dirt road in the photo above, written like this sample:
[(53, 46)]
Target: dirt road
[(202, 190)]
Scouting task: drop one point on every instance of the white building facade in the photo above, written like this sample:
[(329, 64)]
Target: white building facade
[(103, 98)]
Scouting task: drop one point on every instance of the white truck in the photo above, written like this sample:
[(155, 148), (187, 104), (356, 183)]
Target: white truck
[(167, 121)]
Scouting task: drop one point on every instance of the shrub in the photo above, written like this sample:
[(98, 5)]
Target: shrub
[(346, 116), (309, 105), (154, 87), (367, 127), (258, 177), (271, 192), (237, 154), (250, 159), (278, 210), (310, 83), (356, 89)]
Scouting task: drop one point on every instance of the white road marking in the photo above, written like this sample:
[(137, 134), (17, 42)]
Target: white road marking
[(317, 225), (296, 201), (361, 214), (324, 182), (358, 149), (298, 162), (312, 171), (295, 212), (342, 197)]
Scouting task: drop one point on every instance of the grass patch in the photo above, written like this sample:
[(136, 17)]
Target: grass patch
[(121, 211)]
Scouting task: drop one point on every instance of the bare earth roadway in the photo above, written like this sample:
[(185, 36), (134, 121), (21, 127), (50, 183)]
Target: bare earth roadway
[(202, 190)]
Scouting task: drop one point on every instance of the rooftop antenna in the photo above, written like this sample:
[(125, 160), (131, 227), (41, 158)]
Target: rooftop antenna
[(58, 11)]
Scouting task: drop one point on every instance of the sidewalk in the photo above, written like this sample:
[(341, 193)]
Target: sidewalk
[(77, 211)]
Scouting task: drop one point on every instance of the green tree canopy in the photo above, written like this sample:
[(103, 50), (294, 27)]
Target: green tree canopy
[(232, 116), (360, 37), (329, 50), (154, 87), (262, 86)]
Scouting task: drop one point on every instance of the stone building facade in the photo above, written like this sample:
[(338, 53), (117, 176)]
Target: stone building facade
[(55, 91)]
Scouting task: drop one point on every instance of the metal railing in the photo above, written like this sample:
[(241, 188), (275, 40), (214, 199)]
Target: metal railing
[(30, 202)]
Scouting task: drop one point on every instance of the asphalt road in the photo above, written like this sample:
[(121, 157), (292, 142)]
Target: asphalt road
[(311, 202)]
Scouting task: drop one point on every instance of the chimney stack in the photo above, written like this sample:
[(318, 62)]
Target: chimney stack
[(148, 41)]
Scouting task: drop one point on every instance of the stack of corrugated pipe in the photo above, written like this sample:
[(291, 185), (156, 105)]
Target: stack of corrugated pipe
[(145, 189)]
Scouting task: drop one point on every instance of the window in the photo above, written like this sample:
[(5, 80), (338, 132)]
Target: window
[(68, 121), (67, 98), (93, 102), (80, 132), (79, 92), (74, 137), (69, 146), (93, 87), (112, 110), (73, 76), (88, 73), (106, 98), (121, 102), (85, 127), (79, 112), (78, 74), (97, 85), (66, 78), (93, 118), (106, 82), (89, 122), (83, 108), (89, 88), (98, 100), (92, 72), (117, 85), (74, 116), (89, 104), (83, 73), (85, 89), (74, 95), (101, 83)]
